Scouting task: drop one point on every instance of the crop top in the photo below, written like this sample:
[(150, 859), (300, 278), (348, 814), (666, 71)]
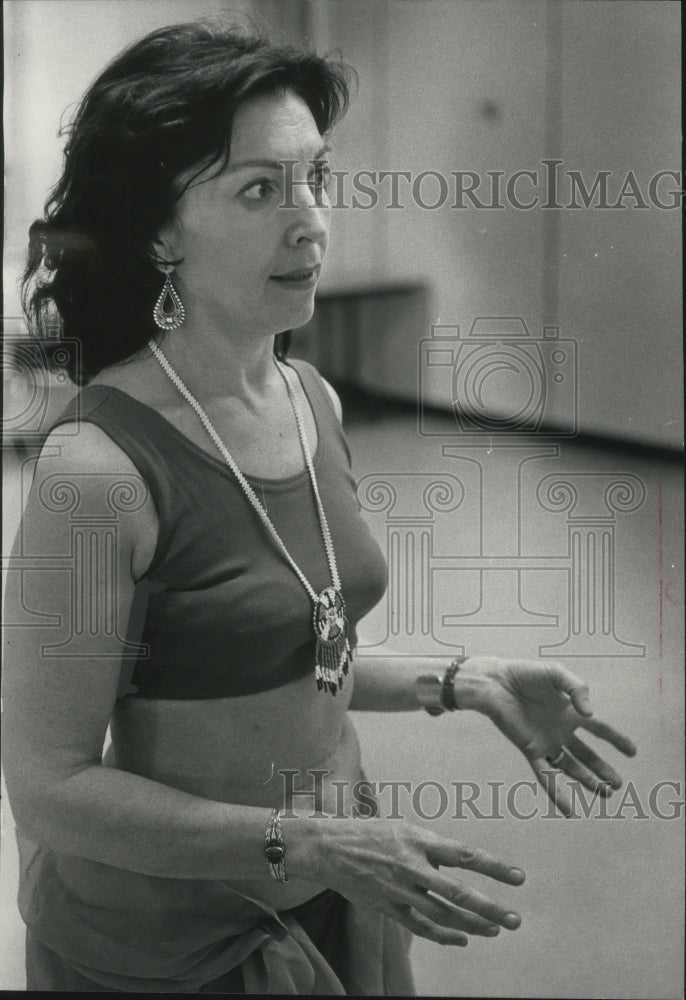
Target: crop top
[(220, 611)]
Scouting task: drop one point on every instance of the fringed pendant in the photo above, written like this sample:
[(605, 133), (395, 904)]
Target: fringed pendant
[(333, 653), (169, 312)]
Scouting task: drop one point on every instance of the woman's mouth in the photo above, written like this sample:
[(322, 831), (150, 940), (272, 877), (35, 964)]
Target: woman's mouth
[(303, 278)]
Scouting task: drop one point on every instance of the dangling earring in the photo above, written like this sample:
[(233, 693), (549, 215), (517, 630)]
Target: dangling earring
[(169, 312)]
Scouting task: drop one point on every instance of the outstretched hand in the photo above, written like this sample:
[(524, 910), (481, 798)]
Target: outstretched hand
[(540, 706), (399, 870)]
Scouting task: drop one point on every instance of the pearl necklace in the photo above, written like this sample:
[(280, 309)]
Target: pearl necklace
[(333, 654)]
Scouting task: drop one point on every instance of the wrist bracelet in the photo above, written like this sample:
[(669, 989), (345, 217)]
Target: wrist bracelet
[(435, 693), (447, 690), (274, 847)]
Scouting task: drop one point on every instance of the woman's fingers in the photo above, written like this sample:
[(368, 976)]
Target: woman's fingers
[(460, 919), (556, 790), (600, 767), (564, 680), (609, 733), (394, 868), (574, 768), (431, 916), (477, 910), (441, 912), (442, 909), (552, 779), (425, 927), (453, 855)]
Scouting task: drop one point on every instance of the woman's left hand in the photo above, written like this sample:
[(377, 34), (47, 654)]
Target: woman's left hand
[(540, 705)]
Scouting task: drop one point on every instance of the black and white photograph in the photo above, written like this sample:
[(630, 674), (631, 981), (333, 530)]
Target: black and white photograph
[(343, 579)]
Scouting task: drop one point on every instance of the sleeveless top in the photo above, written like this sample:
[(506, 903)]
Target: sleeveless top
[(226, 615), (220, 612)]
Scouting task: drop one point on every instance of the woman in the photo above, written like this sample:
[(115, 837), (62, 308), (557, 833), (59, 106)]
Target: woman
[(201, 489)]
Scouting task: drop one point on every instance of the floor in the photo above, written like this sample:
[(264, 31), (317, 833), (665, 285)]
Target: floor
[(522, 547)]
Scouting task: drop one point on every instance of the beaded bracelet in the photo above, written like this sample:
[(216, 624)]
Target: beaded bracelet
[(448, 691), (435, 693)]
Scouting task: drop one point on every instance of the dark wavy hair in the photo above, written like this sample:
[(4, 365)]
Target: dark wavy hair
[(163, 107)]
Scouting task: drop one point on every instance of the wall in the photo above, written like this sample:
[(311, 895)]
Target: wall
[(620, 270), (501, 86), (444, 86)]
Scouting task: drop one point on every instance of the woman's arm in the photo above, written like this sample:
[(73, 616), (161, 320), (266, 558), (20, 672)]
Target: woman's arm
[(539, 705), (56, 712), (387, 684), (56, 709)]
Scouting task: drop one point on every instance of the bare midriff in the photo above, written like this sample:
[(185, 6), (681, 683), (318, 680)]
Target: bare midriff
[(233, 749)]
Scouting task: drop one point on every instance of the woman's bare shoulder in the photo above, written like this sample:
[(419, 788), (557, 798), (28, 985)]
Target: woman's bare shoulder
[(82, 471), (335, 399), (82, 447)]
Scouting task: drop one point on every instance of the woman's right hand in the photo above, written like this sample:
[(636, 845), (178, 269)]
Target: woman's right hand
[(394, 867)]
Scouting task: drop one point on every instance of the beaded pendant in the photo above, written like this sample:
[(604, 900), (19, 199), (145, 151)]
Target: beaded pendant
[(333, 655)]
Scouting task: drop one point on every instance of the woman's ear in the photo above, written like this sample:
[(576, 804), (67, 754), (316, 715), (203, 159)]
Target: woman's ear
[(159, 253), (164, 247)]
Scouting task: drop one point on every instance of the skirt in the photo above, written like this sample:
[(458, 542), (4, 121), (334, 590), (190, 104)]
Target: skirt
[(322, 918)]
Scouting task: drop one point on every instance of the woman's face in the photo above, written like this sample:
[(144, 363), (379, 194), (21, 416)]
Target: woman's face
[(252, 244)]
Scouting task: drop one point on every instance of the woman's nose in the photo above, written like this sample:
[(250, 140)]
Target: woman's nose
[(310, 212)]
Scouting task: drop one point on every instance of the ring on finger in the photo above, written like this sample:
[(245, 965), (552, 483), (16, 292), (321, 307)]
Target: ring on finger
[(556, 760)]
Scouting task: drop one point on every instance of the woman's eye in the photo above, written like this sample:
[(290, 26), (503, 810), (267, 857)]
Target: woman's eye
[(259, 190), (322, 175)]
